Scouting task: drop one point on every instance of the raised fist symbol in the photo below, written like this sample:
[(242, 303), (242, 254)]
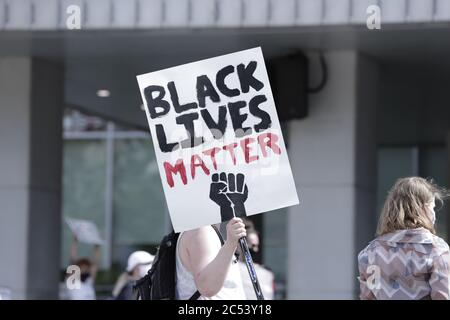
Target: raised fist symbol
[(230, 192)]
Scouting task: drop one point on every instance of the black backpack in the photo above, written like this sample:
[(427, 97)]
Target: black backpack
[(160, 281)]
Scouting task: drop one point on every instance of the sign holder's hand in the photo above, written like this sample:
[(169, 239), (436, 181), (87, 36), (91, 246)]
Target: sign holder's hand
[(230, 192)]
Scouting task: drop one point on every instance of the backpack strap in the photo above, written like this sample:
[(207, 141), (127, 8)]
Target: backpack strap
[(195, 296), (222, 242), (141, 287)]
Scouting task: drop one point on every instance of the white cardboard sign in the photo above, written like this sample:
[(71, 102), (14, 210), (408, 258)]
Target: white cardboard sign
[(217, 139), (86, 231)]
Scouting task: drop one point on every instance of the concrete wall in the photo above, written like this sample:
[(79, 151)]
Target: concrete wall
[(31, 94), (332, 156), (15, 88), (156, 14)]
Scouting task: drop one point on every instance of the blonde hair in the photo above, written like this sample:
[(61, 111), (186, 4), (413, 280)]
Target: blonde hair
[(405, 206)]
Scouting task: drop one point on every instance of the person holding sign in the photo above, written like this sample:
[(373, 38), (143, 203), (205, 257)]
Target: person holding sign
[(221, 156), (88, 272), (205, 266)]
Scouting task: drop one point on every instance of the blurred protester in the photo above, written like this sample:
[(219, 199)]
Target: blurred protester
[(139, 263), (265, 276), (88, 268), (407, 261)]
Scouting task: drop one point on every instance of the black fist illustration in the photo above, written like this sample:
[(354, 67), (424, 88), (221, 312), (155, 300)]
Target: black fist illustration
[(230, 192)]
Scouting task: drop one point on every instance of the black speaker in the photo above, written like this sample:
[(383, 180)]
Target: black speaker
[(288, 77)]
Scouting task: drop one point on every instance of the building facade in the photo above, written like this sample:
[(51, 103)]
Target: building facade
[(383, 113)]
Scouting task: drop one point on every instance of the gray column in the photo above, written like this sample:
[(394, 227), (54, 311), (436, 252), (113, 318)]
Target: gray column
[(333, 154), (31, 94)]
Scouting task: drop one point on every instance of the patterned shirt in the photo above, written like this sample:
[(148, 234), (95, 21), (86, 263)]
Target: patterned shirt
[(405, 265)]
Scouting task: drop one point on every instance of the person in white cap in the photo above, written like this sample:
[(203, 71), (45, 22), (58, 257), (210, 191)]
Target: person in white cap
[(139, 262)]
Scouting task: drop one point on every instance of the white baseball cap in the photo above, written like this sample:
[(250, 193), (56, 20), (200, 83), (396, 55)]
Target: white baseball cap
[(139, 258)]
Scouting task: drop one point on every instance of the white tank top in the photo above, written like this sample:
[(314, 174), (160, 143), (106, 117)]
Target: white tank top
[(232, 287)]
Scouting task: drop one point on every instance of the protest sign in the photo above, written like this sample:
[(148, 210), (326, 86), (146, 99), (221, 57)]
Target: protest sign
[(217, 139), (85, 231)]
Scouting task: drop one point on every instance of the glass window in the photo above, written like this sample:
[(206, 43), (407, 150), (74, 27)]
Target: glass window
[(394, 163), (139, 204), (76, 121), (434, 164), (84, 164)]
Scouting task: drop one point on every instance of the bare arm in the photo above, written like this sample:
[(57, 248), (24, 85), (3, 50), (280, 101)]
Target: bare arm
[(208, 265)]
